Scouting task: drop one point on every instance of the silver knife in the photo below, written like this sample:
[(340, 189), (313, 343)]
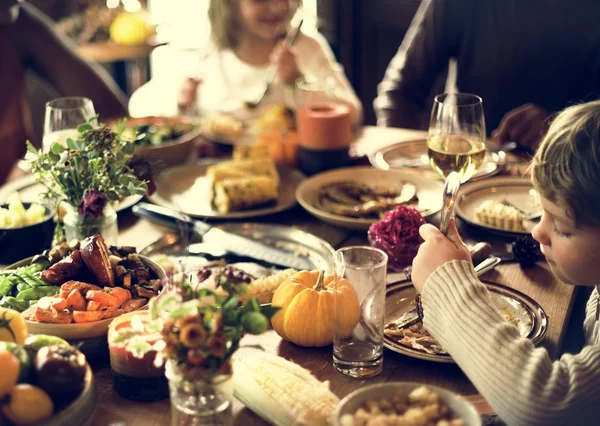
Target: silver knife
[(233, 243)]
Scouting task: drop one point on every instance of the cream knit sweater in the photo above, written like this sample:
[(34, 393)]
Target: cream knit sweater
[(520, 381)]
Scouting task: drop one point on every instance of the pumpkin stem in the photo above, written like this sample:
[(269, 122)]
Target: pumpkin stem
[(319, 285)]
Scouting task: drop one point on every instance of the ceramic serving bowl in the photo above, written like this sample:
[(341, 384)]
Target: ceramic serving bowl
[(81, 411), (25, 241), (81, 331), (459, 406), (169, 152)]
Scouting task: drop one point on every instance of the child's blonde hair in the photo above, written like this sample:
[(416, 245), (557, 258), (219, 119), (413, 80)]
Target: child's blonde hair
[(224, 22), (566, 166)]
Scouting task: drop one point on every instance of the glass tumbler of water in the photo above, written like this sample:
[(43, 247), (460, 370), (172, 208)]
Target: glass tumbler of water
[(62, 117), (358, 325)]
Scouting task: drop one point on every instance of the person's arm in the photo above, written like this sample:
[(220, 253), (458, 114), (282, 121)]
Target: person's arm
[(318, 62), (55, 60), (432, 39), (519, 381)]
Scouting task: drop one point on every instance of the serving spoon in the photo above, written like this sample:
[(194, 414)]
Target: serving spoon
[(272, 70)]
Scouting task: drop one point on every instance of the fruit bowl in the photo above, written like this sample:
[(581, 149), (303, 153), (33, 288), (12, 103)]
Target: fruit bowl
[(81, 331), (81, 411)]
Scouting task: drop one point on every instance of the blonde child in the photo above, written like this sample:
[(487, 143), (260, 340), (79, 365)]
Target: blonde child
[(248, 36), (520, 381)]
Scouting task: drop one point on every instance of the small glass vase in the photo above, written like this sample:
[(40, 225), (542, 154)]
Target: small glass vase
[(199, 402), (80, 227)]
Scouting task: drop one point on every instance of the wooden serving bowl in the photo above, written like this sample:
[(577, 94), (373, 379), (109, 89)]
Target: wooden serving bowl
[(80, 331), (171, 152), (81, 411)]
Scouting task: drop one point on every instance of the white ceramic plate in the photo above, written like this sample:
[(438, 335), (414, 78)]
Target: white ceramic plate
[(413, 154), (429, 192), (30, 191), (187, 189), (519, 191), (526, 314), (351, 403)]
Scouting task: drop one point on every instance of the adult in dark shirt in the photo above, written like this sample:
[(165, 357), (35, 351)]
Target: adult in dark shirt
[(526, 59), (29, 43)]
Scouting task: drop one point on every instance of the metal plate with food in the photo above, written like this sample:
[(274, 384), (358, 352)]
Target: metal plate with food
[(413, 154), (317, 252), (211, 188), (190, 254), (414, 341), (357, 197), (30, 192), (506, 205)]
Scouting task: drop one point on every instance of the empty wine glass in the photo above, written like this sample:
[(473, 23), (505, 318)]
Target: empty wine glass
[(63, 115), (456, 140)]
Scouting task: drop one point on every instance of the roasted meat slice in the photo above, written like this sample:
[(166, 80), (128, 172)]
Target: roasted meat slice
[(96, 257)]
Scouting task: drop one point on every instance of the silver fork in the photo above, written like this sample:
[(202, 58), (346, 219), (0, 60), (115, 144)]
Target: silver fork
[(271, 71), (413, 316)]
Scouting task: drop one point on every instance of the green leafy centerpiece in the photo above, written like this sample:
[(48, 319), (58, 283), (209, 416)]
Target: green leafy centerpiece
[(83, 178), (201, 331)]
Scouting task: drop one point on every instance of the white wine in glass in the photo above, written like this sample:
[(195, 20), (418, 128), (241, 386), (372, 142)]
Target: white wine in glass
[(456, 141)]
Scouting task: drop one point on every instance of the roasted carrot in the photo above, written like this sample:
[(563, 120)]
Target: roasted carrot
[(67, 287), (57, 303), (45, 315), (102, 297), (63, 317), (121, 294), (75, 301), (92, 305), (87, 316)]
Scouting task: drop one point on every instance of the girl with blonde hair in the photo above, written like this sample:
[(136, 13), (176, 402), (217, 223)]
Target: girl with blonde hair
[(248, 37)]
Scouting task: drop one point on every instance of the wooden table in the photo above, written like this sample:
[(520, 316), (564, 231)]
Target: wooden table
[(555, 297)]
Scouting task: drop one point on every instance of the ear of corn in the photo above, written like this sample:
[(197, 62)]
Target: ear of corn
[(263, 288), (282, 392), (240, 194)]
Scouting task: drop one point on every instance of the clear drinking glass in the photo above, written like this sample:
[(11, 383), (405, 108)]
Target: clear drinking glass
[(358, 321), (62, 117), (456, 140)]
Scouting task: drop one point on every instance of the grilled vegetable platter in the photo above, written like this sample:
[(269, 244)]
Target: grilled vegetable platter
[(80, 282)]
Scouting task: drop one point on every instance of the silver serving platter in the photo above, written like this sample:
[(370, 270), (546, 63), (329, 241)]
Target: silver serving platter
[(318, 252)]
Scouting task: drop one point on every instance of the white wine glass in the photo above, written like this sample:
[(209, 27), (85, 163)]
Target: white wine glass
[(62, 117), (456, 139)]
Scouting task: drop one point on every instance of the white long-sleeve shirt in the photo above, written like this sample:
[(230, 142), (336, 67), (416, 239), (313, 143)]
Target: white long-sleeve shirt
[(228, 82), (520, 381)]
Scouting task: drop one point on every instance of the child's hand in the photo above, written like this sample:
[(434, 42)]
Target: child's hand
[(287, 65), (435, 251), (187, 93)]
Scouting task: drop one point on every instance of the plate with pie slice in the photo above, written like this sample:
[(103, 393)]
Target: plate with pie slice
[(502, 205), (414, 341)]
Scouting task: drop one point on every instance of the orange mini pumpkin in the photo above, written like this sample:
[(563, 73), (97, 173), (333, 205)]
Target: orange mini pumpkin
[(306, 317)]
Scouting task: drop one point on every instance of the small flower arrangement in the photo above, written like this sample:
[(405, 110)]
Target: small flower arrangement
[(88, 171), (201, 330)]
